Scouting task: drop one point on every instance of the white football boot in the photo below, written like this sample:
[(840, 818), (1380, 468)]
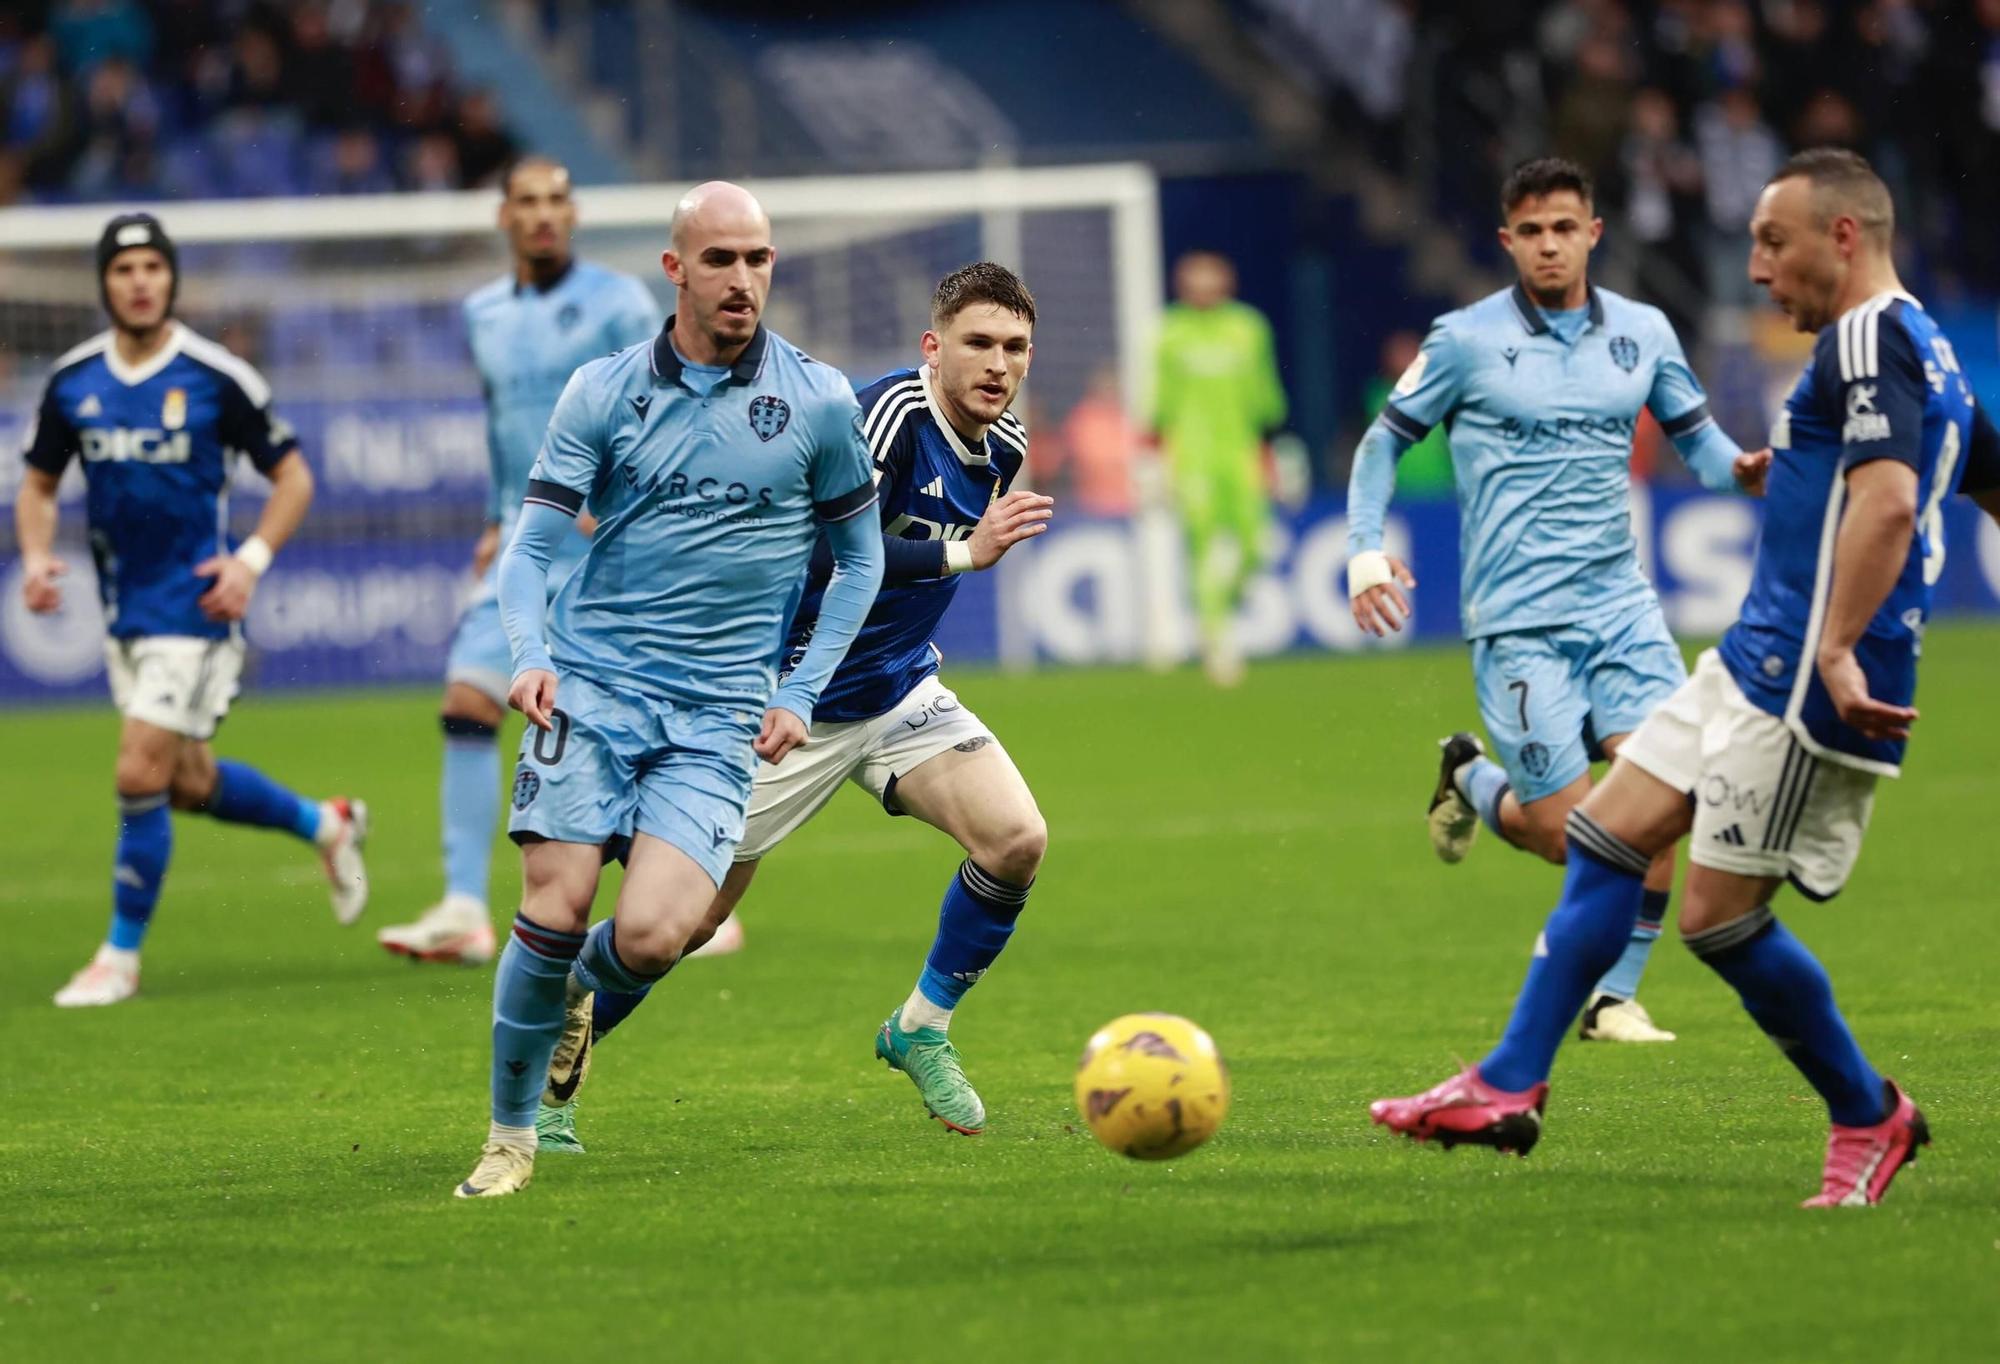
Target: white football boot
[(111, 977), (502, 1169), (343, 828), (1611, 1019), (1452, 820), (457, 929)]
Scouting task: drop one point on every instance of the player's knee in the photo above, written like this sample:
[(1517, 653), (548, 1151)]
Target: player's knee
[(143, 773), (1549, 842), (1014, 851), (468, 713)]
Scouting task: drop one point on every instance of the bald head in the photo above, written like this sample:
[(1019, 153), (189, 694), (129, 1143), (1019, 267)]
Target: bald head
[(716, 207), (720, 263)]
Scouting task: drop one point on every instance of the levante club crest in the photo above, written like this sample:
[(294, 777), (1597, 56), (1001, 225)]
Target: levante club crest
[(1625, 353), (768, 415)]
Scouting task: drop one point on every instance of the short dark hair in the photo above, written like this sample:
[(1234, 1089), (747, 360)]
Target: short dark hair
[(1843, 182), (981, 282), (1543, 176)]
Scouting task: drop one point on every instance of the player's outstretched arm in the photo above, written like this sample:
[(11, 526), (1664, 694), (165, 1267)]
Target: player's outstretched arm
[(1375, 581), (1868, 557), (547, 516), (236, 574), (35, 514), (856, 540)]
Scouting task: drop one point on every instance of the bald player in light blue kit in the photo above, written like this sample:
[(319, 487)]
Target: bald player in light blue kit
[(713, 457), (529, 330), (1540, 387)]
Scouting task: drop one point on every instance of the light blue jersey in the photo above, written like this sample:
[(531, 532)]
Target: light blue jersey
[(526, 342), (1541, 440), (708, 506)]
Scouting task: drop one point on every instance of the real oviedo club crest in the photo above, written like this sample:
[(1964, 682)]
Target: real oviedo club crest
[(768, 415)]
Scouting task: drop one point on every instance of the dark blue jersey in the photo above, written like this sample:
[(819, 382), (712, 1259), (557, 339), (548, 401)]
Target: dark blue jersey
[(931, 488), (158, 444), (1883, 384)]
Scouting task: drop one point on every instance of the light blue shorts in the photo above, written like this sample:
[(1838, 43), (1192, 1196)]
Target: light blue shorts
[(1549, 696), (615, 764), (480, 655)]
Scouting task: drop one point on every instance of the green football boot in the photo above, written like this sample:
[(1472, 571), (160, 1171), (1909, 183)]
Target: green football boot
[(929, 1059), (555, 1128)]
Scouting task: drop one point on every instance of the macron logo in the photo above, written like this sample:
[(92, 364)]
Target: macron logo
[(934, 488)]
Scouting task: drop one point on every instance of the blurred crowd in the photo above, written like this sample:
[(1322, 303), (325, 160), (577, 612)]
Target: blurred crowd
[(194, 98), (1681, 108)]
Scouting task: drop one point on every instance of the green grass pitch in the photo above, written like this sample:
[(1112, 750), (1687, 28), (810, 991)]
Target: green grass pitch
[(254, 1159)]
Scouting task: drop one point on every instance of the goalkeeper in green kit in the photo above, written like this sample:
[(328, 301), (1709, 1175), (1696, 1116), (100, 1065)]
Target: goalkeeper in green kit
[(1216, 400)]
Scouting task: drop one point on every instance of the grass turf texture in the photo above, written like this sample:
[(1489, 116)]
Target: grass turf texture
[(254, 1159)]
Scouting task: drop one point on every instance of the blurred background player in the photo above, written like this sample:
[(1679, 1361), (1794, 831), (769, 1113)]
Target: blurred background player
[(715, 456), (1540, 386), (158, 415), (1769, 754), (529, 331), (1216, 401), (946, 451)]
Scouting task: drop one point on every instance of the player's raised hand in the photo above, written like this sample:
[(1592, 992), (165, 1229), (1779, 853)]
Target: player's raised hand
[(39, 588), (782, 732), (235, 580), (1847, 685), (534, 695), (1375, 591), (1752, 468), (1009, 520)]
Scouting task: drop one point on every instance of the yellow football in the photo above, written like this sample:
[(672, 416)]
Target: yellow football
[(1152, 1086)]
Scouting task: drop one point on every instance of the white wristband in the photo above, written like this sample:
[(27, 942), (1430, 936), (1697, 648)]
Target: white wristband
[(1369, 568), (957, 557), (255, 554)]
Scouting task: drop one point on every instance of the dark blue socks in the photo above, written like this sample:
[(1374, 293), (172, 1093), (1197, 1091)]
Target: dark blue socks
[(145, 842), (1786, 990), (974, 922), (1603, 888), (243, 795), (527, 1016)]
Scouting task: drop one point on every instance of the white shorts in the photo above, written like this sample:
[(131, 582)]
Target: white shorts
[(178, 682), (870, 753), (1763, 806)]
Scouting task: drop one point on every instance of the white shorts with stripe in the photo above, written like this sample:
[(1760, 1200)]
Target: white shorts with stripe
[(1763, 806), (178, 682), (872, 754)]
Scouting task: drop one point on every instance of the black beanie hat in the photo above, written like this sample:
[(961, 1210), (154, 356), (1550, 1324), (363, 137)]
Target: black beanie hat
[(129, 231)]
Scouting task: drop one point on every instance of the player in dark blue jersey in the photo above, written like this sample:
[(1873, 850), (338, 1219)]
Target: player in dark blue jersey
[(1769, 754), (159, 417), (946, 452)]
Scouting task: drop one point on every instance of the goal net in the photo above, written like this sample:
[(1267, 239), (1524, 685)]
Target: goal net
[(350, 307)]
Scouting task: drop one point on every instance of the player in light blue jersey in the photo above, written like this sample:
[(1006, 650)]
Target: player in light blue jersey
[(1768, 755), (713, 457), (1540, 387), (159, 417), (946, 452), (529, 331)]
